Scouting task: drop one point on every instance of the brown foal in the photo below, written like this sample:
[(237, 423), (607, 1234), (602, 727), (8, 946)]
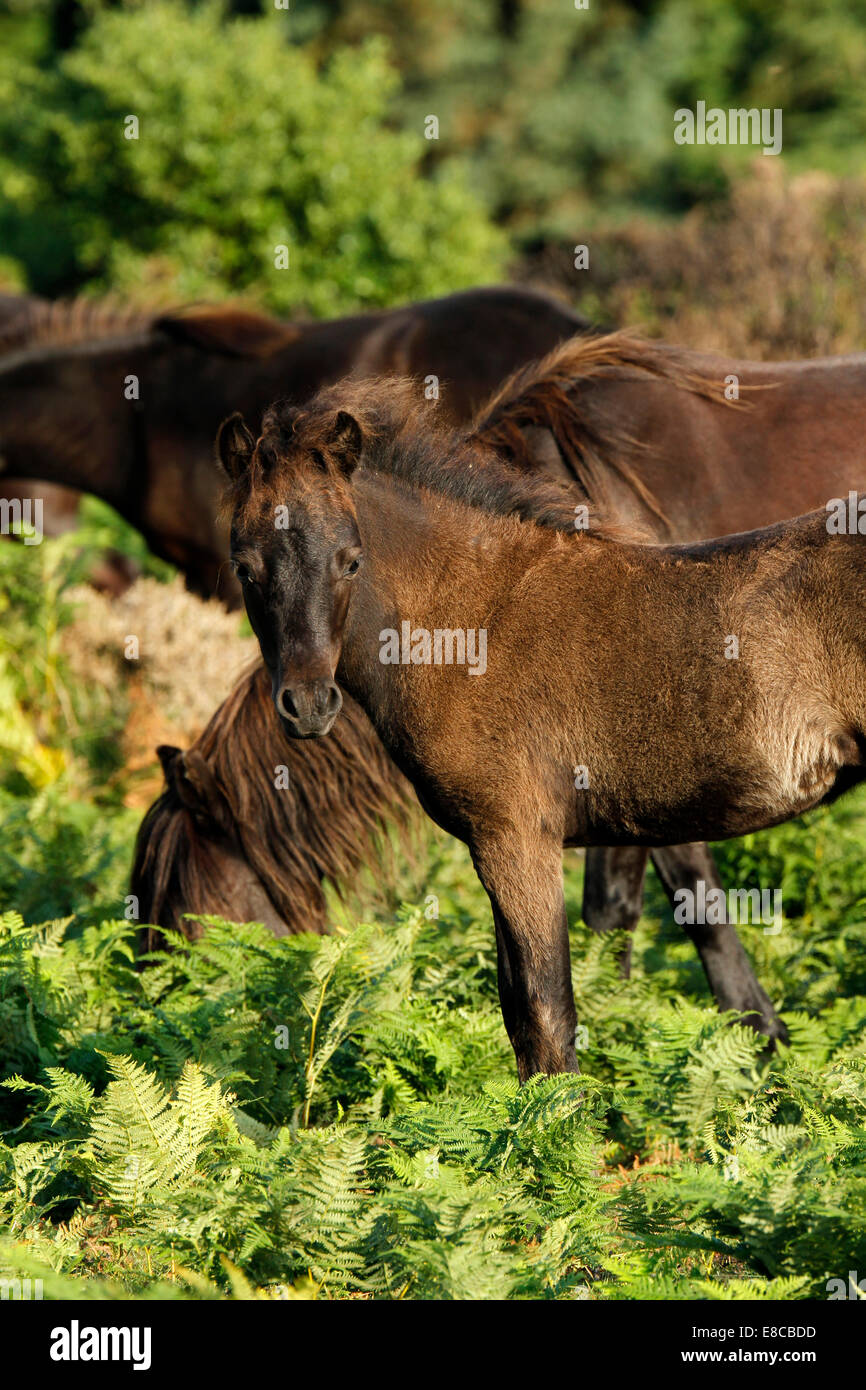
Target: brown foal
[(602, 656)]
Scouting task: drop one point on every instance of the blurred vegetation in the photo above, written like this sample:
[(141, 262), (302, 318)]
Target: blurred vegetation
[(60, 738), (305, 128), (245, 145), (261, 126), (566, 115), (776, 270)]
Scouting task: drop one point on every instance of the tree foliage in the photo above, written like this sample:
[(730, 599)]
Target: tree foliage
[(566, 114), (244, 145)]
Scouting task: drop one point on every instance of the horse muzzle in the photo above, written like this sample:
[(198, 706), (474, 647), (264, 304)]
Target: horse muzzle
[(307, 709)]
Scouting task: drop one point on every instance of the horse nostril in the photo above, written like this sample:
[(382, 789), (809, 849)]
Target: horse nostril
[(286, 704), (327, 699), (308, 706), (335, 700)]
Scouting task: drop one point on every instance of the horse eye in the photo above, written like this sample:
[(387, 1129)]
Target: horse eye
[(353, 566), (243, 574)]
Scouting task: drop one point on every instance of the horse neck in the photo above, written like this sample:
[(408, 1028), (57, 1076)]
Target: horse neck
[(429, 562), (65, 418), (715, 466)]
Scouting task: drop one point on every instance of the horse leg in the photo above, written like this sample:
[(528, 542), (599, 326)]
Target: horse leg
[(613, 892), (524, 884), (727, 967)]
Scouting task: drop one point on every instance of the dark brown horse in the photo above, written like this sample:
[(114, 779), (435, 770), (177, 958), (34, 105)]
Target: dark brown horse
[(657, 434), (539, 407), (112, 573), (250, 826), (65, 413), (220, 351), (125, 405), (60, 505), (657, 430), (601, 656)]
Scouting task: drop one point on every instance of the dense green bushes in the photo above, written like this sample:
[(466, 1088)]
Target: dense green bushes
[(292, 128), (243, 146), (566, 114)]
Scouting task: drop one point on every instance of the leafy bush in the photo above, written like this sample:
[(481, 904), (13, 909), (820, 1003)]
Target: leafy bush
[(562, 117), (244, 145), (565, 115)]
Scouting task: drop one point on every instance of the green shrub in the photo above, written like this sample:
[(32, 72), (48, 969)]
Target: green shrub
[(244, 145)]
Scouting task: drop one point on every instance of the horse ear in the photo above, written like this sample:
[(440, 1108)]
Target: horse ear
[(167, 756), (200, 791), (346, 442), (234, 447), (189, 778), (229, 330)]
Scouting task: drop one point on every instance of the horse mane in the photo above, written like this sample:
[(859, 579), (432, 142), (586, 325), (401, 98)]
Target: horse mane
[(44, 323), (546, 395), (327, 823), (230, 329), (404, 440)]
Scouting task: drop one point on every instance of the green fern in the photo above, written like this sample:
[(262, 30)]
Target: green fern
[(143, 1137)]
